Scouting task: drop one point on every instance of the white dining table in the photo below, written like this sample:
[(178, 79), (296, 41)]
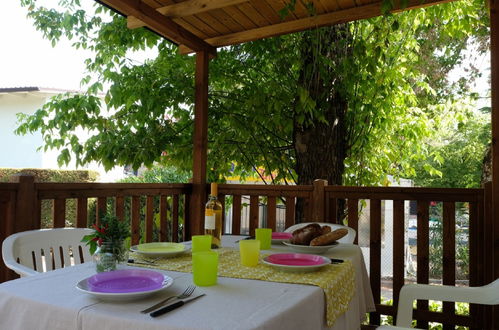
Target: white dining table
[(51, 301)]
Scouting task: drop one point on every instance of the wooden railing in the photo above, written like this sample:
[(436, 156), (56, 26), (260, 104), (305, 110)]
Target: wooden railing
[(478, 254), (160, 212)]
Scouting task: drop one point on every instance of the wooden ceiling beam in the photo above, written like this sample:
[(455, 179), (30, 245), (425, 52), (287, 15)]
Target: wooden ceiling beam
[(186, 8), (337, 17), (161, 24)]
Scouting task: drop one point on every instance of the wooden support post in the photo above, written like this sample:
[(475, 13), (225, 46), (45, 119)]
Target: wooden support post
[(26, 201), (494, 71), (200, 144)]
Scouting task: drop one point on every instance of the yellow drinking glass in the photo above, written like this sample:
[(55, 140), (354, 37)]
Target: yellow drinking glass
[(205, 268), (264, 235), (249, 251), (201, 243)]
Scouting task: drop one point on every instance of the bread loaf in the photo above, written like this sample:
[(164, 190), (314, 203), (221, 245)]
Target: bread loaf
[(325, 229), (304, 235), (329, 238)]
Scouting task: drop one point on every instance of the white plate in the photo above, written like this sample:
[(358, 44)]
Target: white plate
[(279, 240), (297, 268), (309, 249), (156, 249), (83, 286)]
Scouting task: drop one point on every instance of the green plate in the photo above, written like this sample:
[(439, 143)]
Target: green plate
[(160, 249)]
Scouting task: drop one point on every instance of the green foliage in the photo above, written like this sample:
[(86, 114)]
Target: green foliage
[(46, 175), (390, 71), (437, 237), (110, 230), (159, 174), (457, 150)]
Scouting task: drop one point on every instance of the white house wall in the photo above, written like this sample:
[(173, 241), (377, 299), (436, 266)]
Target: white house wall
[(21, 151)]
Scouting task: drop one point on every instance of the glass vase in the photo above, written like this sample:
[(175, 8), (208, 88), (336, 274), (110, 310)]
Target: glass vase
[(110, 255)]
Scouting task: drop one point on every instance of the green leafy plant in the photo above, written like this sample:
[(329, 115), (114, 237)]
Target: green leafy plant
[(111, 229)]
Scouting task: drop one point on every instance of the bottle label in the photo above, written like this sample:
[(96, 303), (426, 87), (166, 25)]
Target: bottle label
[(209, 219)]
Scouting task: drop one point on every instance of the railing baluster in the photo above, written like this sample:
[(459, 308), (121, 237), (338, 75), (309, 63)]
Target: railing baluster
[(271, 213), (149, 218), (119, 207), (333, 210), (101, 209), (135, 220), (423, 254), (398, 248), (476, 255), (253, 215), (186, 232), (59, 212), (236, 215), (82, 212), (221, 198), (175, 209), (353, 216), (290, 211), (449, 256), (163, 218), (375, 256)]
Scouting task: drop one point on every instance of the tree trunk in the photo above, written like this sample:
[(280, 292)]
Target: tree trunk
[(320, 147)]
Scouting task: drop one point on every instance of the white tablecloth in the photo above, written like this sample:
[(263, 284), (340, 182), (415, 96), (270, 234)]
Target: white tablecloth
[(51, 301)]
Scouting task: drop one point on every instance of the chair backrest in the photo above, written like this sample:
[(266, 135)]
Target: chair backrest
[(485, 295), (349, 238), (36, 251)]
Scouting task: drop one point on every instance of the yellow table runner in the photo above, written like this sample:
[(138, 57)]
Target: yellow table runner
[(337, 280)]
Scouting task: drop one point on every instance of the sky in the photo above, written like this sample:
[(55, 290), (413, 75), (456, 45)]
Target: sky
[(27, 59)]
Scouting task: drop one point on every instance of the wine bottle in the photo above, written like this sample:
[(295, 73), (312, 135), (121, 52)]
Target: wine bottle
[(213, 218)]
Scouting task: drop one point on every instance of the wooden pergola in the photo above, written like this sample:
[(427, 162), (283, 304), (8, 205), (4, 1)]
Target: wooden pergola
[(201, 26)]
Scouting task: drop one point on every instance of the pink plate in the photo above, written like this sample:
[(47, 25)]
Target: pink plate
[(296, 259), (278, 235), (128, 280)]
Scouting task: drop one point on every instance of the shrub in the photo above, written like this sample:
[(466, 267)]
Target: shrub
[(47, 175)]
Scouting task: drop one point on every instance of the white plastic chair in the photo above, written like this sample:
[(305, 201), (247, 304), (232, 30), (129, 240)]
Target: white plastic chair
[(349, 238), (36, 251), (485, 295)]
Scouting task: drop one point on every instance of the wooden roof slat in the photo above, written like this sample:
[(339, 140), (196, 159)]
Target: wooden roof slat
[(161, 24), (225, 19), (329, 5), (206, 28), (253, 14), (194, 28), (213, 22), (302, 11), (240, 17), (183, 9), (343, 16), (266, 10), (277, 6), (319, 7)]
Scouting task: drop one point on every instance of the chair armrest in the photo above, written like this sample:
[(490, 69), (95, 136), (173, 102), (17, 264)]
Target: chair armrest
[(12, 263), (22, 270)]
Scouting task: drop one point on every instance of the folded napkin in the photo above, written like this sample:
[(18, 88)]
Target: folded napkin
[(337, 280)]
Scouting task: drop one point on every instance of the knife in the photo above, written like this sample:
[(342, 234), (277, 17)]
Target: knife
[(336, 261), (242, 239), (176, 305)]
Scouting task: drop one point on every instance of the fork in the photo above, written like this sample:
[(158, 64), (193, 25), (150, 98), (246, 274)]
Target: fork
[(187, 292)]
